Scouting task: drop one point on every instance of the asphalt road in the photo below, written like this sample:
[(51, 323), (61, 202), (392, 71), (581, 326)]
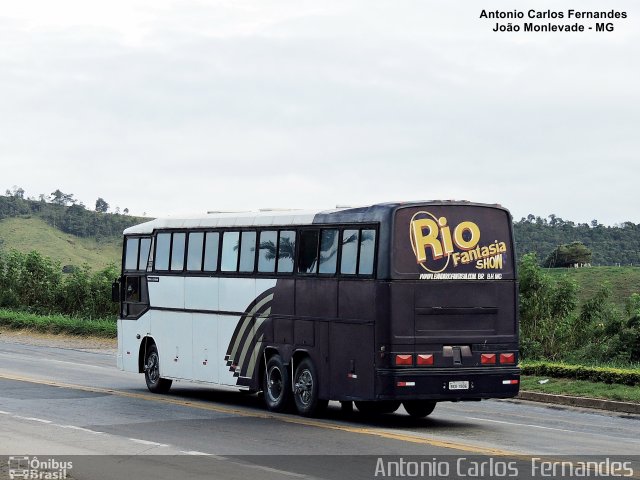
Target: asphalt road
[(61, 402)]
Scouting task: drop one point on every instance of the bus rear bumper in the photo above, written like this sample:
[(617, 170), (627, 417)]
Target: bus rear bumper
[(451, 384)]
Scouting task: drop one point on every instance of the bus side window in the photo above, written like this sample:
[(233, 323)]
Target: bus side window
[(194, 252), (212, 242), (308, 251), (132, 289), (143, 259), (286, 251), (267, 251), (131, 257), (230, 244), (349, 251), (367, 251), (328, 251), (177, 251), (247, 251), (163, 243)]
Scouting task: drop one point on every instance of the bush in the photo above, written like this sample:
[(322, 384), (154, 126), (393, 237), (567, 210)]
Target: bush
[(58, 324), (552, 329), (31, 282), (580, 372), (546, 309)]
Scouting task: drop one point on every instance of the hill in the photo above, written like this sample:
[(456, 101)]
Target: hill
[(32, 233), (611, 245), (623, 281)]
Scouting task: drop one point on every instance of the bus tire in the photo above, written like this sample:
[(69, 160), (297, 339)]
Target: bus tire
[(277, 385), (305, 390), (377, 408), (155, 383), (419, 408)]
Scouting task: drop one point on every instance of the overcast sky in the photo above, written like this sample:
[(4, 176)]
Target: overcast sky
[(179, 107)]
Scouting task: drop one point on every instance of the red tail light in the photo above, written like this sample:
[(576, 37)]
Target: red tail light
[(488, 358), (404, 359), (425, 359), (507, 358)]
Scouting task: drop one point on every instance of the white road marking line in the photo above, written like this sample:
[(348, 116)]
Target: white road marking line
[(633, 440), (275, 470), (73, 427), (195, 452), (522, 424), (32, 419), (147, 442)]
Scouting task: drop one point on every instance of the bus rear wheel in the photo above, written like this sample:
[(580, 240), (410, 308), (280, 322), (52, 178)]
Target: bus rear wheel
[(305, 390), (419, 408), (378, 408), (155, 383), (277, 385)]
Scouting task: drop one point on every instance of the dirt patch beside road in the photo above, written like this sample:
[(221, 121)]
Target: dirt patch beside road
[(89, 344)]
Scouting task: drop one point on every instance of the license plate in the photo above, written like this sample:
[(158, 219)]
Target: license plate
[(460, 385)]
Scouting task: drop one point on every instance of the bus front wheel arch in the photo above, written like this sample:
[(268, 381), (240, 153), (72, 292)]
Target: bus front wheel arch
[(143, 352), (155, 383)]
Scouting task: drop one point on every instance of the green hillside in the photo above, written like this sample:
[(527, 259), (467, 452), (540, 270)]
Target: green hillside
[(32, 233), (623, 281)]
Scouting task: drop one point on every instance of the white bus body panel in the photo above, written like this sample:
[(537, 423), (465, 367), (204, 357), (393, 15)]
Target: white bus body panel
[(128, 344), (201, 293), (192, 343), (206, 355), (167, 292), (173, 334)]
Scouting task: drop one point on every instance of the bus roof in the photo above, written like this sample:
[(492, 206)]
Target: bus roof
[(370, 213)]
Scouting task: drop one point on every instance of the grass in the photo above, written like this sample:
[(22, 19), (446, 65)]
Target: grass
[(623, 281), (581, 388), (58, 324), (30, 233)]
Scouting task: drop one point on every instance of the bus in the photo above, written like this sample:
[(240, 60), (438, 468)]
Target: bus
[(395, 303)]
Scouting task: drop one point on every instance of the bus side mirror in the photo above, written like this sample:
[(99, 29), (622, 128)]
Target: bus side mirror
[(115, 291)]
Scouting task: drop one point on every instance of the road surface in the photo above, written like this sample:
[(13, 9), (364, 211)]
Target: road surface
[(64, 401)]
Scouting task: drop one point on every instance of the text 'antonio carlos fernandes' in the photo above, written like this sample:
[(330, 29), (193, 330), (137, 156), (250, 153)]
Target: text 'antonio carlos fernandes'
[(489, 467)]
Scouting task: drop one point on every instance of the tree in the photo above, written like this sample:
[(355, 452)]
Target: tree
[(101, 205), (17, 192), (59, 198), (567, 255)]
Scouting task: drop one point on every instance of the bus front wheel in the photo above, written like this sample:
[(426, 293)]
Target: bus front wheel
[(305, 390), (419, 408), (277, 385), (155, 384)]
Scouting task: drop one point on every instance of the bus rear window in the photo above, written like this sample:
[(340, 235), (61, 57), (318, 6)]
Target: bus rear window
[(453, 242)]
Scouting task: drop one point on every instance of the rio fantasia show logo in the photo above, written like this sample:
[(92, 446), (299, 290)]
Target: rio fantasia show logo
[(437, 245)]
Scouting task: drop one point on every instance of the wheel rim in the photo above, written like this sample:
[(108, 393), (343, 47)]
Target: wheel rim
[(274, 384), (153, 368), (304, 387)]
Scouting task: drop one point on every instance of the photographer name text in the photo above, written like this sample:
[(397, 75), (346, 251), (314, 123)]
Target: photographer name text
[(542, 21)]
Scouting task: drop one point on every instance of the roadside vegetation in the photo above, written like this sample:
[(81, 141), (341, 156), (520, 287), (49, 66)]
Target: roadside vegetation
[(580, 388), (57, 324), (34, 284), (580, 337), (555, 328)]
